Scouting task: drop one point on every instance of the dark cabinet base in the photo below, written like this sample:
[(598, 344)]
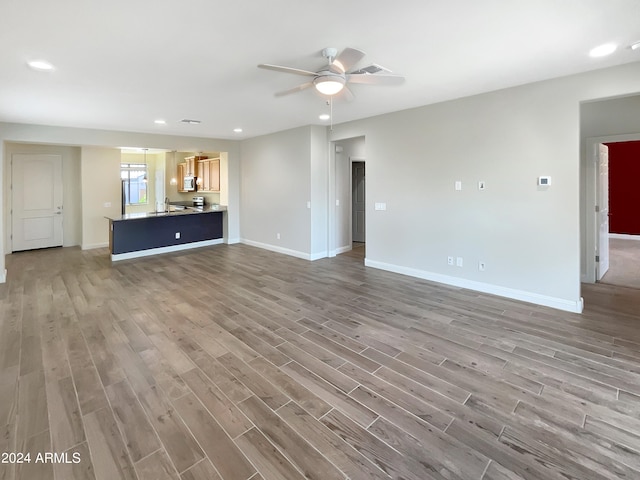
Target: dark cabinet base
[(142, 236)]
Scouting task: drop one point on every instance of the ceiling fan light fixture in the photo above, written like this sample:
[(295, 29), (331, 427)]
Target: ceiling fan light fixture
[(329, 85)]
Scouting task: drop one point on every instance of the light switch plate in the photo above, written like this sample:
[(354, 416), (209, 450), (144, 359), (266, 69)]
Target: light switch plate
[(458, 185)]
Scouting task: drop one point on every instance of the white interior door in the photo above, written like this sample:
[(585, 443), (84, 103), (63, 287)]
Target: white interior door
[(36, 197), (602, 212), (358, 201)]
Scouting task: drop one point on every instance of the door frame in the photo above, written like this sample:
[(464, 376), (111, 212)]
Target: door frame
[(333, 248), (591, 198), (352, 160)]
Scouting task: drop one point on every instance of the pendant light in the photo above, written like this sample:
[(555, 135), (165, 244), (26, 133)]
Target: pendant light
[(174, 180), (145, 165)]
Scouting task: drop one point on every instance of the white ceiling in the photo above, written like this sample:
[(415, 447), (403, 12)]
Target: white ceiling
[(121, 64)]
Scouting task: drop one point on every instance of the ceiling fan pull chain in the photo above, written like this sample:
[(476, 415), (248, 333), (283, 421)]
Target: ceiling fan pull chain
[(331, 114)]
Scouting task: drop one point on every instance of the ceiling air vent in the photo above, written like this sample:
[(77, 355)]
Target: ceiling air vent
[(190, 122), (373, 69)]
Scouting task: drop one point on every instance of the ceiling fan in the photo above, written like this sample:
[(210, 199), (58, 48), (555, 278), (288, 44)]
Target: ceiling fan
[(334, 77)]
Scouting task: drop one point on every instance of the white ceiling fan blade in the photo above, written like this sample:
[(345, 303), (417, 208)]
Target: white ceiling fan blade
[(279, 68), (347, 59), (299, 88), (375, 79), (346, 95)]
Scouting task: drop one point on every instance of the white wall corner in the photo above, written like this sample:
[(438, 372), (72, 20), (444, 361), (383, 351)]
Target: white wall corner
[(530, 297), (232, 241), (346, 248), (3, 276), (317, 256)]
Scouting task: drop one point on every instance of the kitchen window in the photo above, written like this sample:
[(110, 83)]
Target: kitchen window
[(134, 183)]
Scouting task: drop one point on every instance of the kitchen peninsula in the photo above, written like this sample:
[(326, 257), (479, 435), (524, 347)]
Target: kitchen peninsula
[(141, 234)]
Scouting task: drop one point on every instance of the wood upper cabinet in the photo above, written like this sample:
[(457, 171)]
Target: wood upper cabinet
[(209, 175), (182, 172), (192, 164)]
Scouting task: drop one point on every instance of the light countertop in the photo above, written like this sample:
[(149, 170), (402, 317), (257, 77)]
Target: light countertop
[(173, 213)]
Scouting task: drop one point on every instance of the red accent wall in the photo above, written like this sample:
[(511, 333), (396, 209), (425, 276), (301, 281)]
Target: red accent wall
[(624, 187)]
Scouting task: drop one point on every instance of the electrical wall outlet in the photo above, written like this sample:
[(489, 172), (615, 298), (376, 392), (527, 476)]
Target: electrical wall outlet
[(481, 185), (458, 185), (449, 260), (481, 266), (458, 261), (277, 236), (177, 235)]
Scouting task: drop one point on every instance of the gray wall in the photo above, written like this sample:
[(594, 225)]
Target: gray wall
[(614, 116), (275, 177), (529, 237), (319, 178)]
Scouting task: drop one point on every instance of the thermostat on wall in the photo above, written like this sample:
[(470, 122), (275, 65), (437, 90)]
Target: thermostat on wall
[(544, 181)]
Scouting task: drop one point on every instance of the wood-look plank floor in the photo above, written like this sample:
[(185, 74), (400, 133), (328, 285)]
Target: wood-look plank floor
[(237, 363)]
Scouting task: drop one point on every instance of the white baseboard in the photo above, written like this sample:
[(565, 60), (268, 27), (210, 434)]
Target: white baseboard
[(624, 236), (172, 248), (535, 298), (317, 256), (346, 248), (232, 241), (275, 248), (339, 250), (91, 246), (3, 276)]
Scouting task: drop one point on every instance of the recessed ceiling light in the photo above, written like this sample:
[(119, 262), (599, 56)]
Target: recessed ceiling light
[(160, 122), (40, 65), (603, 50), (324, 116), (190, 122), (237, 130)]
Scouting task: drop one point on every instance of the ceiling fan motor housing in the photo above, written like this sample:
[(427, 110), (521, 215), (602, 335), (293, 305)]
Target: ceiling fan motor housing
[(330, 53)]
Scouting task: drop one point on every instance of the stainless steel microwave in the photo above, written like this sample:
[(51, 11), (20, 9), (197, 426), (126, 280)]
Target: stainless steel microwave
[(189, 184)]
